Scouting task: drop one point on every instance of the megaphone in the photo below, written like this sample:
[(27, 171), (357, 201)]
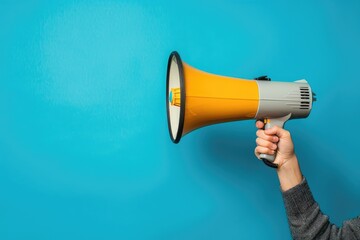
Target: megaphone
[(195, 99)]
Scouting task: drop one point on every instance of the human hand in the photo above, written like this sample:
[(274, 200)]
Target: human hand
[(275, 140), (279, 140)]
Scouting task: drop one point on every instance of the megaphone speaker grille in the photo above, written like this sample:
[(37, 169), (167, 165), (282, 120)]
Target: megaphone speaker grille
[(175, 80)]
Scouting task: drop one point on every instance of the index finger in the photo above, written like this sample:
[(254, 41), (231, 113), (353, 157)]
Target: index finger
[(259, 124)]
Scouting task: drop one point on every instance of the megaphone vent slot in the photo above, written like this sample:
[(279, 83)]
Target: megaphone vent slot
[(305, 93)]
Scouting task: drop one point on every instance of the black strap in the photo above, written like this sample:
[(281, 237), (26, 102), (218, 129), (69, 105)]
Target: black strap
[(270, 164)]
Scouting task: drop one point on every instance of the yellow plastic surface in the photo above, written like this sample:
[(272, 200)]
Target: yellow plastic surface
[(214, 99)]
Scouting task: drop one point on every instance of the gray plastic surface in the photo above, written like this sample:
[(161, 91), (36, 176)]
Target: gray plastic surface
[(278, 99), (270, 158)]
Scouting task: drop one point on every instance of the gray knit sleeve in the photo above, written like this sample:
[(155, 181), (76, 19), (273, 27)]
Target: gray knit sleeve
[(308, 222)]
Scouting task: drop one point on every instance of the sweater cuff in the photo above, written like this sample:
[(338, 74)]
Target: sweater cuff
[(298, 199)]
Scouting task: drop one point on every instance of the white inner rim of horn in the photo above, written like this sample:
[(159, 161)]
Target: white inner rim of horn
[(174, 82)]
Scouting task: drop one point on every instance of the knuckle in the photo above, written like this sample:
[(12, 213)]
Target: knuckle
[(258, 133), (287, 133), (268, 144), (269, 138), (276, 127)]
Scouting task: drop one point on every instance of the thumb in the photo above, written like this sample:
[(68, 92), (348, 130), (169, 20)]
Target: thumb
[(278, 131)]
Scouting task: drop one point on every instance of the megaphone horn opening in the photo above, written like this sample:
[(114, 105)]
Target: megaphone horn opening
[(175, 113)]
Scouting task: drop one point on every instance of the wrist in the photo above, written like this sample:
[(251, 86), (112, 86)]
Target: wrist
[(289, 173)]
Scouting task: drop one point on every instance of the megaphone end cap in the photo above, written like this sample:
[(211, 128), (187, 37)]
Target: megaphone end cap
[(174, 58)]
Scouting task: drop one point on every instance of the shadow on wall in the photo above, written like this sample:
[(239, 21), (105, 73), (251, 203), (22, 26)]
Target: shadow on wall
[(230, 148), (332, 187), (229, 151), (228, 155)]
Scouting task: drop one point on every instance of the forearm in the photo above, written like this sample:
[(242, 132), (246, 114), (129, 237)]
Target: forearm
[(308, 222), (304, 215), (289, 174)]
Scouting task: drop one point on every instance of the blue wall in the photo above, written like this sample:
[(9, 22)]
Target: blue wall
[(84, 145)]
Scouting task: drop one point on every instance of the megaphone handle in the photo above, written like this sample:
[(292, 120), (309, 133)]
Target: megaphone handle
[(269, 123)]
